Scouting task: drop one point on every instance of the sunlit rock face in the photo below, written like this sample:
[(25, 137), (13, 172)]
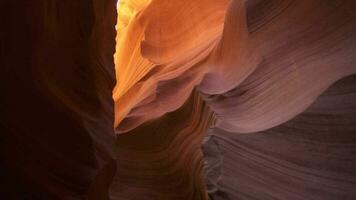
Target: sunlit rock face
[(198, 100), (262, 67), (257, 63)]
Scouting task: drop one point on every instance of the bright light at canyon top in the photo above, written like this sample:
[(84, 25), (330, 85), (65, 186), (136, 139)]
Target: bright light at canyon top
[(127, 72), (117, 8)]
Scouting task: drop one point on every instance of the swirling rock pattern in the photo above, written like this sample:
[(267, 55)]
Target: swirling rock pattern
[(258, 65), (308, 157), (162, 159), (254, 61), (223, 99)]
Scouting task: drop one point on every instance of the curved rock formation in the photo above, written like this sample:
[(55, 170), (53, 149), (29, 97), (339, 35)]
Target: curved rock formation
[(308, 157), (258, 65), (303, 48), (162, 159), (223, 99)]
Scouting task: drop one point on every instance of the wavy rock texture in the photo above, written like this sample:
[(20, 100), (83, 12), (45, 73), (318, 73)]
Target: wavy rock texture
[(250, 70), (254, 61), (162, 159), (308, 157), (303, 49), (158, 59), (257, 64)]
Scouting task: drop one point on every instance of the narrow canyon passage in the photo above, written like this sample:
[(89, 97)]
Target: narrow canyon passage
[(178, 100)]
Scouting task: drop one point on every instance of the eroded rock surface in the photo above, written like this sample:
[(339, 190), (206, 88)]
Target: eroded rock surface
[(78, 122)]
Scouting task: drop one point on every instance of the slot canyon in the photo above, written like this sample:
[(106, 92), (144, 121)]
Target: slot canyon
[(178, 100)]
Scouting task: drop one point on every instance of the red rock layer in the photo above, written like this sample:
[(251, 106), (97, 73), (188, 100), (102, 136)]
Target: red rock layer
[(309, 157), (56, 110), (257, 64), (162, 159), (160, 48), (304, 47), (256, 61)]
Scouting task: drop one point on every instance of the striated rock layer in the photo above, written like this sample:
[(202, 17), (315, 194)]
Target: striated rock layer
[(257, 64), (309, 157), (250, 70), (162, 159)]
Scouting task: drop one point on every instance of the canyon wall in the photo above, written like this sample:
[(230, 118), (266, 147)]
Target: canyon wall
[(57, 76), (200, 99)]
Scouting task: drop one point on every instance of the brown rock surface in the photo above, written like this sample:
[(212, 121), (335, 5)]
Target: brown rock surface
[(309, 157), (257, 72), (56, 111)]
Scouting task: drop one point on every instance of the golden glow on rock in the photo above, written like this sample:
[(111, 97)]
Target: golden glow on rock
[(129, 64)]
